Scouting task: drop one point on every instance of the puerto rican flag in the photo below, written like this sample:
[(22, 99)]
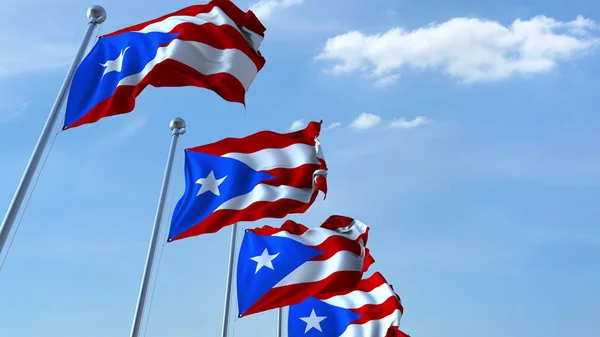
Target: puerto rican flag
[(264, 175), (373, 309), (213, 46), (278, 267)]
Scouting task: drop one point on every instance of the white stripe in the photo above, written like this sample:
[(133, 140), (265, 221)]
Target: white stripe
[(317, 235), (320, 153), (373, 328), (203, 58), (264, 192), (314, 271), (216, 16), (357, 298), (253, 38), (288, 157)]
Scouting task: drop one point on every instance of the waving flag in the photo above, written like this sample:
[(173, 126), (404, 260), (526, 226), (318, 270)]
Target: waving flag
[(284, 266), (396, 332), (372, 310), (213, 46), (265, 175)]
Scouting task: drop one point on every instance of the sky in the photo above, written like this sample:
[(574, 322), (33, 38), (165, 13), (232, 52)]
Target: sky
[(464, 133)]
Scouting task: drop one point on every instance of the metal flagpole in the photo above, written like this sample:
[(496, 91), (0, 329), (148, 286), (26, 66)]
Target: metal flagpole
[(226, 310), (177, 125), (280, 322), (96, 16)]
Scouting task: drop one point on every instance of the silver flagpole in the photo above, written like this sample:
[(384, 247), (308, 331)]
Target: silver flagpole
[(227, 309), (96, 16), (177, 125), (280, 322)]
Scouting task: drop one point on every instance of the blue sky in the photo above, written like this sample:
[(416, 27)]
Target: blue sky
[(484, 211)]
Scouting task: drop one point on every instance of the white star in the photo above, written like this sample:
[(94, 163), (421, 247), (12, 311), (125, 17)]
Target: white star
[(264, 260), (313, 321), (210, 183), (114, 65)]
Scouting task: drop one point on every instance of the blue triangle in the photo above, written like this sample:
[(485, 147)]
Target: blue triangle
[(91, 86), (252, 286), (336, 319), (192, 209)]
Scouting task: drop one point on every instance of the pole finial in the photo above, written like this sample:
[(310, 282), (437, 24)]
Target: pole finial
[(177, 125), (97, 14)]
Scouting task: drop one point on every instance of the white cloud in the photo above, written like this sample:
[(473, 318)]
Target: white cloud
[(296, 125), (582, 26), (468, 49), (265, 8), (365, 121), (333, 126), (401, 123), (368, 121), (386, 81)]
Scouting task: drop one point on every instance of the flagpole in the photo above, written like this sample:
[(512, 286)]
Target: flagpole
[(96, 16), (226, 309), (280, 322), (177, 125)]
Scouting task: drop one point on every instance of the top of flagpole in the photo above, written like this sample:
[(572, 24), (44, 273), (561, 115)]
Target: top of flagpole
[(97, 14), (177, 124)]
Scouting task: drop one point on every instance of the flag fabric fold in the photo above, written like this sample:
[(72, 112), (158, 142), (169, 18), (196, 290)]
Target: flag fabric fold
[(282, 266), (372, 309), (212, 46), (394, 331), (264, 175)]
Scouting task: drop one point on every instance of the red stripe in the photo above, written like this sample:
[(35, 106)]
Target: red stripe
[(367, 285), (369, 260), (262, 140), (187, 11), (323, 163), (300, 177), (298, 229), (289, 226), (335, 244), (256, 211), (296, 293), (394, 331), (241, 18), (372, 312), (339, 221), (219, 37), (351, 246), (321, 185), (168, 73)]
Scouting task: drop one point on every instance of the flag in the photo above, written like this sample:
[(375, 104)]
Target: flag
[(264, 175), (278, 267), (213, 46), (373, 309), (396, 332)]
